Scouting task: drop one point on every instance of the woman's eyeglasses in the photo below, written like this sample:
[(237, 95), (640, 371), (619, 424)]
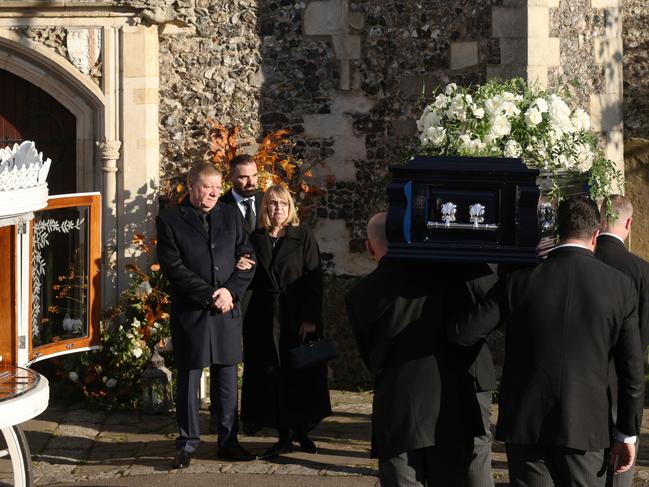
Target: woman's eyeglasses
[(277, 204)]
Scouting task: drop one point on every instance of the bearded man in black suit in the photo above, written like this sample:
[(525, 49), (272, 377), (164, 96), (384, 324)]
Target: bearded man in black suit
[(199, 243), (425, 414), (611, 250), (244, 194), (564, 319), (246, 198)]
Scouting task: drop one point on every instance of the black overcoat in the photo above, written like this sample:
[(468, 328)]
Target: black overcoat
[(197, 264), (286, 291), (424, 391), (565, 319)]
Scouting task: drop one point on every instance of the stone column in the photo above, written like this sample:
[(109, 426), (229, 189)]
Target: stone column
[(109, 152), (137, 181), (606, 108)]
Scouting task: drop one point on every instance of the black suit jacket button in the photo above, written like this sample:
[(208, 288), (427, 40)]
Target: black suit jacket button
[(213, 245), (216, 268)]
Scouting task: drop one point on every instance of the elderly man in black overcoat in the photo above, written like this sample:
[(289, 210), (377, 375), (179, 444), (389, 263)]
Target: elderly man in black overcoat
[(199, 242)]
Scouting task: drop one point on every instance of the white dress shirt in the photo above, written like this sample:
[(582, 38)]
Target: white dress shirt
[(242, 207)]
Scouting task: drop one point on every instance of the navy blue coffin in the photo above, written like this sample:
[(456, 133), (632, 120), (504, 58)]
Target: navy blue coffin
[(474, 209)]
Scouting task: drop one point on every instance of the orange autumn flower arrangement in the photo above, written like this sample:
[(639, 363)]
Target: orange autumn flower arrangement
[(276, 163)]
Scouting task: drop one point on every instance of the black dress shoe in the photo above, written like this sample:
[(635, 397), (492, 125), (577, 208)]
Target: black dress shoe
[(282, 446), (237, 453), (306, 443), (182, 459)]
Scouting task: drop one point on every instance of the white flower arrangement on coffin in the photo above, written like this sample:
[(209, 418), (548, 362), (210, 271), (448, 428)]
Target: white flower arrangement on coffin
[(511, 119)]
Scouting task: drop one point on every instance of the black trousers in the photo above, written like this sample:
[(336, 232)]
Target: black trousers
[(547, 466), (479, 474), (433, 466), (223, 395), (624, 479)]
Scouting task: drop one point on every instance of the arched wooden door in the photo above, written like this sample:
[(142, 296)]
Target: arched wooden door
[(29, 113)]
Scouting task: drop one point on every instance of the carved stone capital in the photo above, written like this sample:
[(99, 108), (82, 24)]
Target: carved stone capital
[(109, 149)]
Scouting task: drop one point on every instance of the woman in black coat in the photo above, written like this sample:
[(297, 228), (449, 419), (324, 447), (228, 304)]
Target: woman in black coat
[(285, 310)]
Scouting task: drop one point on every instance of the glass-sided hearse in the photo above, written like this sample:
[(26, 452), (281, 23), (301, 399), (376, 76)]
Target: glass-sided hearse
[(50, 253)]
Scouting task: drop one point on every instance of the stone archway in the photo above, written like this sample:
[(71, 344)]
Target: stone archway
[(117, 150), (40, 67)]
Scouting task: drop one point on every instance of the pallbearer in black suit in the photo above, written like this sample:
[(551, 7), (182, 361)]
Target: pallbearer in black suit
[(285, 309), (564, 319), (199, 243), (425, 416), (610, 249)]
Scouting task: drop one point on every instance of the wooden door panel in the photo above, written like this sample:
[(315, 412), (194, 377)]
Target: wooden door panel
[(29, 113), (8, 315), (65, 263)]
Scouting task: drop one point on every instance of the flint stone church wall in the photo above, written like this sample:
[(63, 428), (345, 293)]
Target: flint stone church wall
[(349, 79), (636, 118), (349, 93)]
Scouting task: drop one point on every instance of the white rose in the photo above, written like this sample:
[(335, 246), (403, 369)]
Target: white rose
[(68, 323), (533, 117), (450, 88), (440, 101), (436, 135), (466, 140), (492, 105), (512, 149), (500, 127), (74, 377), (509, 109), (478, 113), (428, 118), (137, 352), (580, 120), (559, 114), (110, 383), (541, 105), (585, 157), (476, 145)]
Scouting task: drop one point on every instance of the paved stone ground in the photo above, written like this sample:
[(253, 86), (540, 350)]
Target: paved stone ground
[(71, 445)]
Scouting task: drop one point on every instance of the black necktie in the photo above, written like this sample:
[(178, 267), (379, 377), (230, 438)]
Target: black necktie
[(249, 216), (206, 223)]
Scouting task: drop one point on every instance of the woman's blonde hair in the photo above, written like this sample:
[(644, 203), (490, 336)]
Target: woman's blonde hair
[(278, 192)]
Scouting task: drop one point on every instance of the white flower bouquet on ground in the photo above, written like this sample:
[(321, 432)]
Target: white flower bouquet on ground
[(511, 119)]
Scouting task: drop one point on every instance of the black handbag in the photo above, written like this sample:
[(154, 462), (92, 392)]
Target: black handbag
[(313, 353)]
